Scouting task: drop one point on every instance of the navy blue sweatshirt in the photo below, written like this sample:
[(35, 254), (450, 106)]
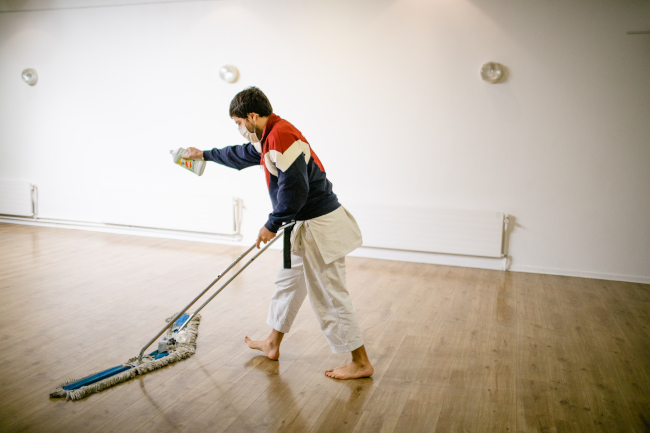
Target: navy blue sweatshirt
[(296, 179)]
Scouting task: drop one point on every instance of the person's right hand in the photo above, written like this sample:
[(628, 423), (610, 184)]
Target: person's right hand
[(193, 153)]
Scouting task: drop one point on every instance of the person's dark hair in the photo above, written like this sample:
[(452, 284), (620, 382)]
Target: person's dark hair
[(251, 100)]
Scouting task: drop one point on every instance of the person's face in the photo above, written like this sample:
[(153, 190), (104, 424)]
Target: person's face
[(249, 122)]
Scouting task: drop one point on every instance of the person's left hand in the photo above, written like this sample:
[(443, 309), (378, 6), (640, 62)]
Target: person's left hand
[(193, 153), (264, 236)]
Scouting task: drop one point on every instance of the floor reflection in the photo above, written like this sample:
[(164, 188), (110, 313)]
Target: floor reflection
[(277, 408)]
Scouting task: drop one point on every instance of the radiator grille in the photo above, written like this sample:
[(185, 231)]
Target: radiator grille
[(16, 198), (164, 209), (466, 232)]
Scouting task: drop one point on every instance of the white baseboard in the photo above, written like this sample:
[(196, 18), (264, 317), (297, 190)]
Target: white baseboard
[(487, 263), (372, 253), (581, 274)]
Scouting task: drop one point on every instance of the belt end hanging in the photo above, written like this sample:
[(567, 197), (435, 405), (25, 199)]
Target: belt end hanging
[(287, 247)]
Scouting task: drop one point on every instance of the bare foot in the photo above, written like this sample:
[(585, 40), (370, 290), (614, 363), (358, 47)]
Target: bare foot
[(359, 367), (351, 371), (268, 346)]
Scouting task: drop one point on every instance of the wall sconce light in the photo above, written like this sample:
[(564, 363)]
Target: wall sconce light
[(492, 72), (229, 73), (29, 76)]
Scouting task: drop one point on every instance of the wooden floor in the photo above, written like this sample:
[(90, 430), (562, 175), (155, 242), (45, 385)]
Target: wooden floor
[(454, 349)]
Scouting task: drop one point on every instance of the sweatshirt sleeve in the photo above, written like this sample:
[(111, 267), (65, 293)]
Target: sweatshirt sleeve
[(293, 189), (237, 157)]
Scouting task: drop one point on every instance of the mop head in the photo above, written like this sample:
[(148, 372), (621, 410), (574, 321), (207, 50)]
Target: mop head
[(77, 389)]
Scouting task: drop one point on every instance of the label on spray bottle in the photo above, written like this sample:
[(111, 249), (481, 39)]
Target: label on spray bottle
[(195, 166)]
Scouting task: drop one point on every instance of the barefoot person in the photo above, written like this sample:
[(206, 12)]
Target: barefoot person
[(323, 235)]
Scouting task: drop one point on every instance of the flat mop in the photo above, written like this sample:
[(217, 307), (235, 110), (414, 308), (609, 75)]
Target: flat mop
[(178, 343)]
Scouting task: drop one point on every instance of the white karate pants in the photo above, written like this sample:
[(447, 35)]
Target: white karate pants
[(325, 284)]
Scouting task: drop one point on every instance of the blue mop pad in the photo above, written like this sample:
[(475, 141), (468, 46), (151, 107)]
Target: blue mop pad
[(79, 388)]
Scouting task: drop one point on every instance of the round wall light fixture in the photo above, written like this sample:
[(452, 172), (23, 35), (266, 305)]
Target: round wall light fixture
[(492, 72), (229, 73), (29, 76)]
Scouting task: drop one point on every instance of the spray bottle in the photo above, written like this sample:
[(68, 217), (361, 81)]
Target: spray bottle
[(193, 165)]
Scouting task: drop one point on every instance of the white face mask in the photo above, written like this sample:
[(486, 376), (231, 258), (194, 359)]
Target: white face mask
[(250, 136)]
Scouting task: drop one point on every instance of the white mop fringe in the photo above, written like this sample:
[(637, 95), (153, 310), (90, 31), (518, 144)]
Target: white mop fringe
[(176, 353)]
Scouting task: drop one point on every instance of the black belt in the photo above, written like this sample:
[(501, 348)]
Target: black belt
[(287, 247)]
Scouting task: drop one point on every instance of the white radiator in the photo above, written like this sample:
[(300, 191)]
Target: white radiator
[(173, 210), (16, 198), (475, 233)]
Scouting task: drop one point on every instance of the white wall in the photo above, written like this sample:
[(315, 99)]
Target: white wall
[(387, 93)]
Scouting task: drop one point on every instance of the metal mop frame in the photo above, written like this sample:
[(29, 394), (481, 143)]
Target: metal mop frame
[(178, 316), (79, 388)]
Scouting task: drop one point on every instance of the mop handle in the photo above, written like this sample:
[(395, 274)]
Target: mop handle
[(233, 277), (171, 322)]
